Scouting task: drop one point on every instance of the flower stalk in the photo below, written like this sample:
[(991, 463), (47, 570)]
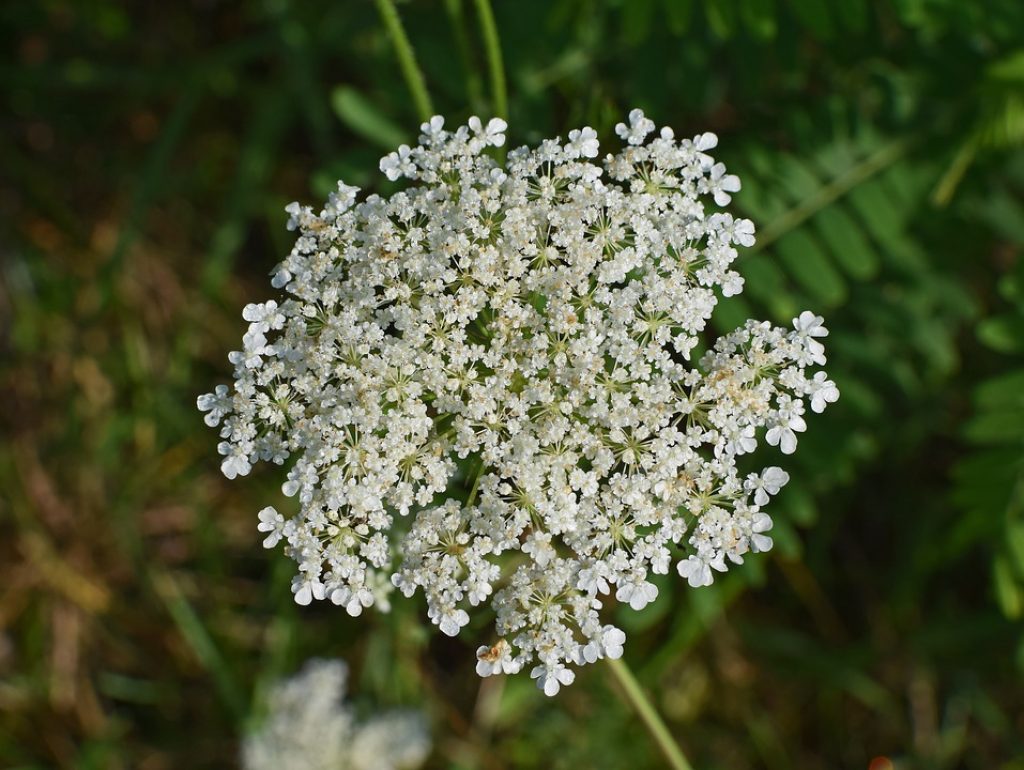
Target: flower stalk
[(641, 704), (406, 58), (494, 62)]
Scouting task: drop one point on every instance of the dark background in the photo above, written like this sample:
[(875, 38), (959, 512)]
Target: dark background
[(147, 151)]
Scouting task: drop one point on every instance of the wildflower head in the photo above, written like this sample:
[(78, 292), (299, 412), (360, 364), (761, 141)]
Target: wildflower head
[(488, 388)]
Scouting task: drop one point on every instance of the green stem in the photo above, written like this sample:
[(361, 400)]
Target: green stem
[(474, 91), (494, 62), (476, 485), (947, 185), (406, 58), (648, 715)]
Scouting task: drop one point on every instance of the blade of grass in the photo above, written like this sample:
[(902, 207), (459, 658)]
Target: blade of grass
[(255, 163), (644, 709), (191, 627), (474, 92), (406, 58), (492, 45), (303, 76), (149, 182)]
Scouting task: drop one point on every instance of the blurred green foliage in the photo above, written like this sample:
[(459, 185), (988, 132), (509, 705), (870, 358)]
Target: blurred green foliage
[(148, 151)]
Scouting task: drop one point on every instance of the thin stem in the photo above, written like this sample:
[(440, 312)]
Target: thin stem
[(406, 58), (947, 185), (473, 88), (476, 484), (494, 61), (648, 715)]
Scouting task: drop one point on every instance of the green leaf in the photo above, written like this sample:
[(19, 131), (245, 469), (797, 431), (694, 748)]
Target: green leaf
[(757, 202), (1004, 333), (853, 14), (796, 178), (814, 15), (787, 542), (798, 502), (364, 118), (1001, 392), (734, 313), (759, 17), (883, 217), (766, 283), (860, 396), (721, 16), (846, 242), (809, 267), (996, 426), (678, 13), (636, 20), (1010, 67), (1008, 590), (1015, 546), (1002, 211)]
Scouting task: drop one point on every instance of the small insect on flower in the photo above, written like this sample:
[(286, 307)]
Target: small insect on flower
[(515, 341)]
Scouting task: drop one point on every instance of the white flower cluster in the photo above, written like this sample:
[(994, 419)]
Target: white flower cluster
[(485, 381), (309, 727)]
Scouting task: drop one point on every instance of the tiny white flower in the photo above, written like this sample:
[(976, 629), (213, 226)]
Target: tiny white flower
[(637, 130), (273, 522), (492, 134), (306, 588), (706, 141), (235, 463), (592, 580), (722, 184), (295, 212), (551, 678), (762, 522), (808, 326), (538, 545), (697, 570), (340, 201), (782, 436), (398, 164), (216, 405), (263, 317), (823, 392), (583, 143), (432, 128), (452, 621), (612, 640), (637, 594), (771, 480)]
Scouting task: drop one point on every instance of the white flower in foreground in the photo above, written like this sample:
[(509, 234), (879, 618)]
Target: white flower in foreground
[(822, 392), (271, 522), (637, 130), (308, 726), (550, 678), (525, 332), (768, 483), (492, 134)]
